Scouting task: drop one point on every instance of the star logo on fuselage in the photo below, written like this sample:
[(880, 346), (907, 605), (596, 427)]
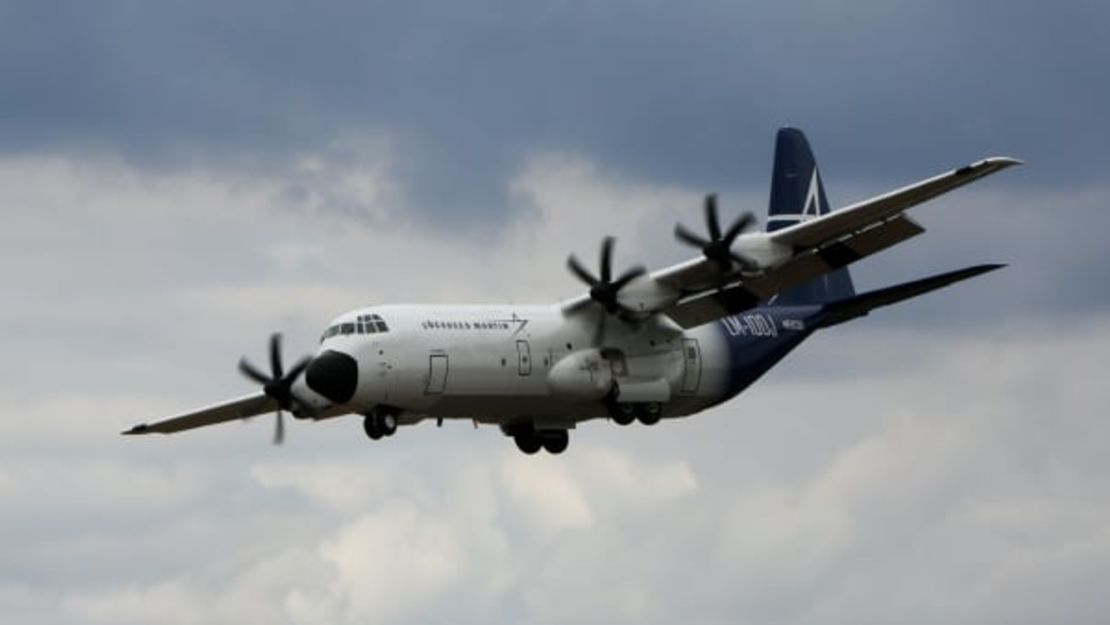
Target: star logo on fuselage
[(516, 319)]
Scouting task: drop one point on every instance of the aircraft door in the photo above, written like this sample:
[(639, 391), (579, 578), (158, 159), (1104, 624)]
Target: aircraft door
[(437, 374), (691, 356), (524, 358)]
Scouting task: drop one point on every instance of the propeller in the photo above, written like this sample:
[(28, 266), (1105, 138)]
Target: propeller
[(603, 288), (718, 247), (279, 384)]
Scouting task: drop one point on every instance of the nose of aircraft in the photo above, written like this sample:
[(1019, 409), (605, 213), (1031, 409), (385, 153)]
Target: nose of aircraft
[(333, 375)]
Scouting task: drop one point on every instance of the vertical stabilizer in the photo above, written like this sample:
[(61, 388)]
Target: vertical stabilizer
[(797, 194)]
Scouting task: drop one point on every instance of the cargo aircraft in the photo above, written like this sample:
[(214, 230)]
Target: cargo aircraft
[(636, 347)]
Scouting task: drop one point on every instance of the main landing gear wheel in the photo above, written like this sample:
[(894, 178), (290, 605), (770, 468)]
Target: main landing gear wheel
[(528, 442), (622, 414), (625, 414), (379, 424), (531, 441), (556, 441), (650, 413)]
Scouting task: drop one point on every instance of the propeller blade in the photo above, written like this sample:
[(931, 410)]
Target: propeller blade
[(599, 332), (252, 372), (742, 223), (627, 277), (583, 274), (711, 221), (686, 236), (279, 429), (606, 266), (297, 369), (275, 355)]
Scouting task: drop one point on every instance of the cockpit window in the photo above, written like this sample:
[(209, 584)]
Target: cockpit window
[(365, 324), (374, 323)]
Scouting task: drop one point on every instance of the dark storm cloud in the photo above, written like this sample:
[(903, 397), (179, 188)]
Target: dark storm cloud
[(674, 93)]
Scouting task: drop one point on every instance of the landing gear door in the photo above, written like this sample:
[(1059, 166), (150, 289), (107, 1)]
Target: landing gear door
[(437, 374), (691, 356)]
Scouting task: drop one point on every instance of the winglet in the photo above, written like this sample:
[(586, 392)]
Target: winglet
[(994, 163)]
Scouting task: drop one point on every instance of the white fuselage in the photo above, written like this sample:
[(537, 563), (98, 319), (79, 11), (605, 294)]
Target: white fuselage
[(499, 363)]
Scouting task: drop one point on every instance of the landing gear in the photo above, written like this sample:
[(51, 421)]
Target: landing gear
[(379, 424), (647, 413), (530, 440)]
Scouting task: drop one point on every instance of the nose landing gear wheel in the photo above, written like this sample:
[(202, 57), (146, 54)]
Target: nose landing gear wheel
[(379, 424), (371, 428), (388, 423)]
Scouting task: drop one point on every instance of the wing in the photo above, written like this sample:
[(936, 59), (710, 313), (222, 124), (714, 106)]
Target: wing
[(697, 291), (242, 408), (707, 306), (849, 219)]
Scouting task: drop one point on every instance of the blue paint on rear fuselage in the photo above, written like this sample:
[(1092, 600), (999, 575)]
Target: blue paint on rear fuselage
[(759, 338)]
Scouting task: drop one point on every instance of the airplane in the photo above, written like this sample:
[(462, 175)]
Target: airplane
[(636, 347)]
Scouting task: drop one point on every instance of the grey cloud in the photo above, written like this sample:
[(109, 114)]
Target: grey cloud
[(943, 460), (684, 95)]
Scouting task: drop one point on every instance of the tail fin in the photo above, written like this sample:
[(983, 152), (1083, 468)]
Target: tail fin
[(797, 194)]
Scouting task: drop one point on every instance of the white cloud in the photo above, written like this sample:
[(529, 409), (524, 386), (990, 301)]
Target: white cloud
[(882, 471), (545, 493)]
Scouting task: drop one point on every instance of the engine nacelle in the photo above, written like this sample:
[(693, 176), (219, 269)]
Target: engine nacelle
[(581, 375)]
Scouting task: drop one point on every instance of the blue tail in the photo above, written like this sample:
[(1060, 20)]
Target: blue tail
[(797, 195)]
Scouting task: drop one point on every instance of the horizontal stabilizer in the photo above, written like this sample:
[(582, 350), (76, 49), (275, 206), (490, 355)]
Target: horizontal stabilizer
[(859, 305)]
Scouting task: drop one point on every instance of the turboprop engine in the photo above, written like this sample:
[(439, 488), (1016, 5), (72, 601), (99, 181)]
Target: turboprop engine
[(583, 374)]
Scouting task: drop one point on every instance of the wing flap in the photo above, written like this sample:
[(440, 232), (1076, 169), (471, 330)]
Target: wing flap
[(242, 408), (706, 307)]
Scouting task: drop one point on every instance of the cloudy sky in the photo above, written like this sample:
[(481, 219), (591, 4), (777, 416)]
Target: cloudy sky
[(180, 179)]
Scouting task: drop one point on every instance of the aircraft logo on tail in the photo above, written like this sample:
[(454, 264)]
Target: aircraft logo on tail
[(811, 206)]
